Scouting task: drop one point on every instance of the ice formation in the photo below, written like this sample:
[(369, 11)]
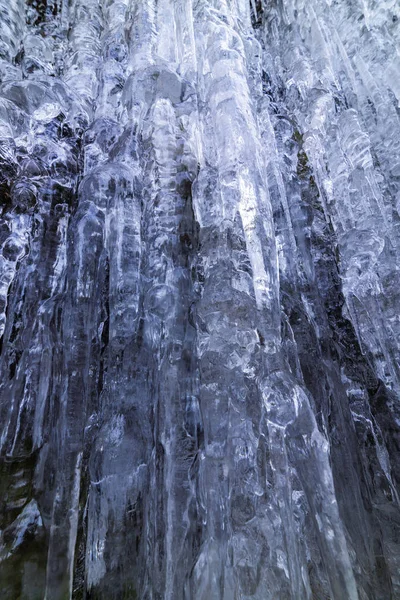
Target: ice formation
[(200, 299)]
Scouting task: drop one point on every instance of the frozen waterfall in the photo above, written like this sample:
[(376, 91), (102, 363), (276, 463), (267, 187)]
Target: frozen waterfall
[(199, 300)]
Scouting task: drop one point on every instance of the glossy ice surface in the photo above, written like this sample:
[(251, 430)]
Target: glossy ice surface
[(200, 299)]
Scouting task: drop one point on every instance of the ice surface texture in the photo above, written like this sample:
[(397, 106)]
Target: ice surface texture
[(200, 299)]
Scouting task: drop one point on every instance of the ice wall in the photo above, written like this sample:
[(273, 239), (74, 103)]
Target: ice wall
[(199, 299)]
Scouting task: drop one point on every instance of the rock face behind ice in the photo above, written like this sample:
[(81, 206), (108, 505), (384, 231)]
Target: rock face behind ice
[(199, 299)]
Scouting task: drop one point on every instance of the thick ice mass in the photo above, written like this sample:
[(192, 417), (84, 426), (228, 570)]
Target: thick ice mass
[(200, 299)]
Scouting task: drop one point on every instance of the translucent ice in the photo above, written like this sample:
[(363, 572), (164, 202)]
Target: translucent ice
[(199, 299)]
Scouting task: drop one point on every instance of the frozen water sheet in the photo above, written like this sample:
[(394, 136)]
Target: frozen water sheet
[(199, 299)]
